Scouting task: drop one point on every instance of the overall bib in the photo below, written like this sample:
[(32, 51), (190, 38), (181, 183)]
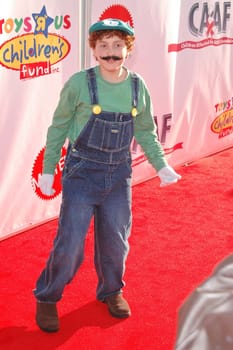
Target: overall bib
[(96, 182)]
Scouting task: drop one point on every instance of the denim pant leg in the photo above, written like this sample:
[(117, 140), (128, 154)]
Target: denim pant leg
[(67, 253), (112, 229)]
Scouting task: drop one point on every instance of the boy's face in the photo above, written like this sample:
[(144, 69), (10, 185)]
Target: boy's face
[(110, 52)]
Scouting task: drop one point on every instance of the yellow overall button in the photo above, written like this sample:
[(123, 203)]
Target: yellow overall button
[(134, 112), (96, 109)]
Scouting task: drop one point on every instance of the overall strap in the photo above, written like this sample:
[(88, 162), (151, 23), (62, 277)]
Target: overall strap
[(135, 89), (92, 86)]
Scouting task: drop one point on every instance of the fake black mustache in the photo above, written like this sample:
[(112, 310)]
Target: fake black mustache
[(115, 58)]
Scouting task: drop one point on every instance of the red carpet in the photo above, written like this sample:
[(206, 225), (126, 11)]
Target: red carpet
[(179, 234)]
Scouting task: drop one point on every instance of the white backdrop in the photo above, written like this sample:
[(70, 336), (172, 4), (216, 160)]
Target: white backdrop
[(27, 105), (183, 51)]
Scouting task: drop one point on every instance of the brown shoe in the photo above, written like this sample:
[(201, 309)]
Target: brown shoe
[(47, 316), (118, 306)]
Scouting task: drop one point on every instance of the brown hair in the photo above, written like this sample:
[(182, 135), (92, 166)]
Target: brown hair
[(129, 39)]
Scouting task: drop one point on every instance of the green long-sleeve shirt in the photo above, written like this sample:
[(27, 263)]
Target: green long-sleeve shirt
[(74, 109)]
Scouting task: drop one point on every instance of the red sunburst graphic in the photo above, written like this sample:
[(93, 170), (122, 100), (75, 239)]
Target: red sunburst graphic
[(119, 12), (37, 171)]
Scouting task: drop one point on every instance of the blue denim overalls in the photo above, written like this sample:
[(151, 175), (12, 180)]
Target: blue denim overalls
[(96, 181)]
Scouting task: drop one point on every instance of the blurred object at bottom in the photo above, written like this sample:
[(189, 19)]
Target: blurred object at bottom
[(205, 320)]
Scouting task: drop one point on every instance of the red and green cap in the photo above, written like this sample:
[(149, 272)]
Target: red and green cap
[(112, 24)]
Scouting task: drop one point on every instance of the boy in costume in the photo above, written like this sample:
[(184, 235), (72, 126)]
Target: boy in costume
[(99, 111)]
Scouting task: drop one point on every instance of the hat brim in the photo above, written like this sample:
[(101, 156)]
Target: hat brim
[(112, 24)]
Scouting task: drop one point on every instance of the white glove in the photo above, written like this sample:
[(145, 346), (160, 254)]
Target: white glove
[(46, 184), (168, 176)]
